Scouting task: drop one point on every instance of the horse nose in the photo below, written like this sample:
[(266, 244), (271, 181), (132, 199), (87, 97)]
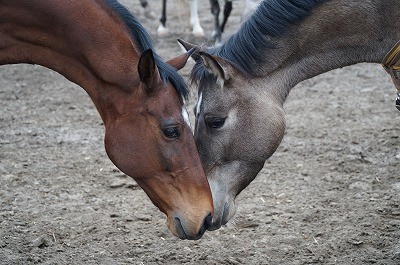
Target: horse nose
[(206, 224), (214, 225), (208, 221), (184, 231), (219, 219)]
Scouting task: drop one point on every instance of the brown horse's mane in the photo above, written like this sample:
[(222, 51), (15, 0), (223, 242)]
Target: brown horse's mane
[(143, 42)]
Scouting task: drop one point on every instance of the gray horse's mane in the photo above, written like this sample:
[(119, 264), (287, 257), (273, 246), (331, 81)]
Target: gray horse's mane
[(247, 47)]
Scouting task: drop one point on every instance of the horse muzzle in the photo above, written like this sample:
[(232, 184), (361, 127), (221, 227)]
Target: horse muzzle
[(185, 229), (217, 222), (223, 212)]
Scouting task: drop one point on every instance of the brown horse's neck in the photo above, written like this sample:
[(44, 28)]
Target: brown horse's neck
[(75, 38), (338, 33)]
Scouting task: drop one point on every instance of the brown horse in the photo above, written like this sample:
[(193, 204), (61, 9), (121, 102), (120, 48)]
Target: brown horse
[(244, 83), (100, 46)]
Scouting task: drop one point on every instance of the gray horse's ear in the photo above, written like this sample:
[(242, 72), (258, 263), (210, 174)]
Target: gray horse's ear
[(179, 62), (217, 66), (191, 47)]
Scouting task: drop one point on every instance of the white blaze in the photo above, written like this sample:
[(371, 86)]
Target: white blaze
[(198, 104), (185, 115)]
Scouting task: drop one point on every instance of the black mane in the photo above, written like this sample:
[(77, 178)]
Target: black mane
[(143, 42), (247, 47)]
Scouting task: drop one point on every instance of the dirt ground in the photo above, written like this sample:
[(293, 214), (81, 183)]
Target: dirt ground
[(329, 195)]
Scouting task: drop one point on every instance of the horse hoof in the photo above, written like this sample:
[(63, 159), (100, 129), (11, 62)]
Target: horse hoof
[(198, 32), (162, 31)]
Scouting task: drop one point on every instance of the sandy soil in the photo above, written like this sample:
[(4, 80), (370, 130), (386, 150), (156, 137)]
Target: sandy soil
[(329, 195)]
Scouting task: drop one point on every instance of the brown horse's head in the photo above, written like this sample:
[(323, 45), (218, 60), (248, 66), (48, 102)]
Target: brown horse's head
[(150, 140), (100, 46)]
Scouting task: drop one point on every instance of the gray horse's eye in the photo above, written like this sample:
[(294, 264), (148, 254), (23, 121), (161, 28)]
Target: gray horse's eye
[(215, 123)]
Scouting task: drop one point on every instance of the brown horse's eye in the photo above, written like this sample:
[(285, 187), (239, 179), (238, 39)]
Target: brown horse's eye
[(215, 123), (171, 132)]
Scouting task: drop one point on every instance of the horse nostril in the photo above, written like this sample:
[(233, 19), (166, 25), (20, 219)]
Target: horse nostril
[(207, 223), (182, 233), (179, 228)]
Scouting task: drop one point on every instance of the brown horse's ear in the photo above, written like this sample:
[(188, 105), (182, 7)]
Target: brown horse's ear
[(147, 68), (179, 62), (217, 66), (188, 46)]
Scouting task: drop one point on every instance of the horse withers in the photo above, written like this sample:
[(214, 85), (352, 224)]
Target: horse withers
[(100, 46), (243, 84)]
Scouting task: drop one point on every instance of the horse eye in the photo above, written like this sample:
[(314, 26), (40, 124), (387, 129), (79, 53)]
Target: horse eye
[(215, 123), (171, 132)]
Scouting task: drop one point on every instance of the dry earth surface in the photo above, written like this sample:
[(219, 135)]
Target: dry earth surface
[(329, 195)]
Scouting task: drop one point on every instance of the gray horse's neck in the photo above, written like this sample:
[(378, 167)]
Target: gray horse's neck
[(338, 34)]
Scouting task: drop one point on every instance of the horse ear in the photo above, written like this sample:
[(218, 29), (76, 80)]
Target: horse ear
[(217, 66), (179, 62), (147, 68), (191, 47)]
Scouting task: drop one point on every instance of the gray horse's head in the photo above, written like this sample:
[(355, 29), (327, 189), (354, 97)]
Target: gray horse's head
[(233, 133)]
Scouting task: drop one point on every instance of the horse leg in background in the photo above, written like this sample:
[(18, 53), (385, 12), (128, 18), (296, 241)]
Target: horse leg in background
[(162, 29), (143, 3), (227, 12), (197, 30), (147, 12), (215, 9)]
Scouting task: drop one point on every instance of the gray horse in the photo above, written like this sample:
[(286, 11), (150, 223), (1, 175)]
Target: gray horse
[(243, 84)]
